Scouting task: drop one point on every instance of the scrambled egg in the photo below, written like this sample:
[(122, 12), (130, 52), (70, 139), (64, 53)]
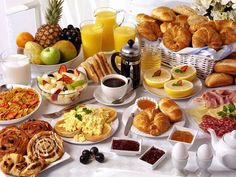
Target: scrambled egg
[(90, 120)]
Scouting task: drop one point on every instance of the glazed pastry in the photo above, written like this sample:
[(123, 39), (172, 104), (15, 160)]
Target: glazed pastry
[(206, 36), (177, 38), (46, 145), (164, 14), (140, 18), (228, 35), (13, 140), (184, 10), (31, 127), (170, 109), (149, 30), (151, 121), (219, 79), (19, 165)]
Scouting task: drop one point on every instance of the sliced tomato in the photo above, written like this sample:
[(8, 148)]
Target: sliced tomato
[(62, 68), (33, 102), (55, 95), (45, 82), (11, 115), (4, 105), (76, 72), (184, 68)]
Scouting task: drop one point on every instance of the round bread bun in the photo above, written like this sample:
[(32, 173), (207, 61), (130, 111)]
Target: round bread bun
[(177, 38), (195, 22), (140, 18), (112, 114), (184, 10), (164, 14), (105, 133), (62, 132)]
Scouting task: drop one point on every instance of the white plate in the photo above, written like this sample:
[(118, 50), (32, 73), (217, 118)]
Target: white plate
[(114, 127), (126, 115), (65, 157), (101, 98), (14, 121), (197, 87)]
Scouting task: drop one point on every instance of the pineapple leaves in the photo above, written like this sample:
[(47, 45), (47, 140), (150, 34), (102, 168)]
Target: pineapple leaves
[(54, 11)]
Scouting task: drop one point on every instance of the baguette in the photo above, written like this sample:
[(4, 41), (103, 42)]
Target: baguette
[(227, 66), (219, 79), (170, 109), (90, 71)]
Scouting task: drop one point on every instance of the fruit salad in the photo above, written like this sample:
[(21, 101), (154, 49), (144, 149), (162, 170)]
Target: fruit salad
[(62, 86)]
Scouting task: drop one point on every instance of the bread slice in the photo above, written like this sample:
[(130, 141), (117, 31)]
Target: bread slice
[(90, 71), (103, 57), (101, 63), (92, 61)]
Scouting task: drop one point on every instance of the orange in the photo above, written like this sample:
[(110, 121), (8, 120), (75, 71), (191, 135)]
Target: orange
[(22, 38)]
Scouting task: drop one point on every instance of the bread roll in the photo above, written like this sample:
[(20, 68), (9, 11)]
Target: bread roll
[(227, 66), (170, 109), (149, 30), (140, 18), (164, 14), (184, 10), (218, 79)]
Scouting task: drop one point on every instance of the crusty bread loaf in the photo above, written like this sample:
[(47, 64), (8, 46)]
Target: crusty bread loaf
[(227, 66), (184, 10), (140, 18), (219, 79), (171, 109), (164, 14)]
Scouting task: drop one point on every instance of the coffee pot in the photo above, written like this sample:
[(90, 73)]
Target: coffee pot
[(130, 56)]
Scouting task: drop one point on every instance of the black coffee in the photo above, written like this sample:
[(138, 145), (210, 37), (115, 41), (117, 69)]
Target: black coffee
[(114, 82)]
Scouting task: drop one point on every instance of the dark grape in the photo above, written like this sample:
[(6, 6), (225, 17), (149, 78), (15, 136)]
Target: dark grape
[(70, 27), (70, 71), (50, 75), (68, 33), (84, 159), (64, 30), (99, 157), (94, 150), (63, 36), (71, 39), (65, 88), (74, 34)]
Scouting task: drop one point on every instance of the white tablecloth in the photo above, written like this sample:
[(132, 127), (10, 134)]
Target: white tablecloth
[(123, 166)]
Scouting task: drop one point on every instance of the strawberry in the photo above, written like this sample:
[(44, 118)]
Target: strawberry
[(184, 68), (67, 79), (62, 68), (55, 95), (45, 82), (11, 115), (76, 72)]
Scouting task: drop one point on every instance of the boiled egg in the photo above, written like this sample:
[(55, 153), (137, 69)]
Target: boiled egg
[(204, 152), (180, 151)]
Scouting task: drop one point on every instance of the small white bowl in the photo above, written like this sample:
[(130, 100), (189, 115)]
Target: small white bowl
[(153, 166), (126, 152), (145, 98), (175, 128)]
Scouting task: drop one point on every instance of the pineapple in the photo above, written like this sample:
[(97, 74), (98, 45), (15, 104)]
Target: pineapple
[(48, 34)]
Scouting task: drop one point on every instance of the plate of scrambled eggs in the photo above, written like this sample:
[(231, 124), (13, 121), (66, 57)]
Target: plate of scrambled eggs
[(87, 124)]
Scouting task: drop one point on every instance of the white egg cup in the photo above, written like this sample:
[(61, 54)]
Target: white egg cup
[(179, 166), (203, 164)]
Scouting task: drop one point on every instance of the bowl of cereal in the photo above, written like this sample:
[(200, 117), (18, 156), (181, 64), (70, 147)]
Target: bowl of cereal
[(63, 86)]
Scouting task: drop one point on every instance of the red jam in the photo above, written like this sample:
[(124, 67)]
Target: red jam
[(152, 155), (127, 145)]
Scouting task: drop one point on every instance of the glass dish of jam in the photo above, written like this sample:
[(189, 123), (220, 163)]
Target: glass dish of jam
[(153, 156), (126, 146)]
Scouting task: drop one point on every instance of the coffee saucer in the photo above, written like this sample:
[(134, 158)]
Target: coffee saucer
[(101, 98)]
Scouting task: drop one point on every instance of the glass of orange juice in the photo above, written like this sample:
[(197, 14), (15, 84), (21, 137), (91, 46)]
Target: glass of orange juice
[(107, 17), (91, 33), (122, 34)]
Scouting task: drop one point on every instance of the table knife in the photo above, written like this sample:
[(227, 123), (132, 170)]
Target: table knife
[(130, 121)]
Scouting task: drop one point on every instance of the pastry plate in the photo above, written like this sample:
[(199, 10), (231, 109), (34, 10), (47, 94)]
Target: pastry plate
[(197, 87), (114, 126), (101, 98), (14, 121), (65, 157), (126, 115)]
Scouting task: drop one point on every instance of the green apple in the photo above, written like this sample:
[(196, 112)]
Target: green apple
[(50, 56)]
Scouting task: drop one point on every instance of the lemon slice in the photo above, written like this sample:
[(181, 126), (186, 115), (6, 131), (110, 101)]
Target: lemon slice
[(156, 81), (179, 91), (184, 72)]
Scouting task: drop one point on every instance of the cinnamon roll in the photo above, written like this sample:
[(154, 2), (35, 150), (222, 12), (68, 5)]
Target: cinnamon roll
[(31, 127), (47, 145), (13, 140)]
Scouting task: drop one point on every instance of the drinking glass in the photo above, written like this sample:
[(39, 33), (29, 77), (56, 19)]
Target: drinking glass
[(16, 68), (91, 33), (107, 16)]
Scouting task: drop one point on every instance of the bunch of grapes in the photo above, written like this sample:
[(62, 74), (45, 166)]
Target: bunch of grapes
[(73, 35)]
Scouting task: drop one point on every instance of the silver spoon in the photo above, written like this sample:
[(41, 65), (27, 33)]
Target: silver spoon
[(5, 87), (122, 99)]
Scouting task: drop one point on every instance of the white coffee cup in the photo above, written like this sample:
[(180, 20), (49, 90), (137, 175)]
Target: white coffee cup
[(114, 86)]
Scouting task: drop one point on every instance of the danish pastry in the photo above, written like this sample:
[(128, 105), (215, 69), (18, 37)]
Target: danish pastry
[(140, 18), (164, 14), (46, 145), (149, 30), (31, 127), (184, 10), (206, 36), (177, 38), (13, 140)]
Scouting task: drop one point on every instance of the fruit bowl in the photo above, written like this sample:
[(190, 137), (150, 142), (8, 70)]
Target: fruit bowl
[(62, 86)]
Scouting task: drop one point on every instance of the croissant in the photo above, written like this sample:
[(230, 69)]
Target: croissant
[(140, 18), (195, 22), (206, 36), (177, 38), (228, 35), (149, 30)]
